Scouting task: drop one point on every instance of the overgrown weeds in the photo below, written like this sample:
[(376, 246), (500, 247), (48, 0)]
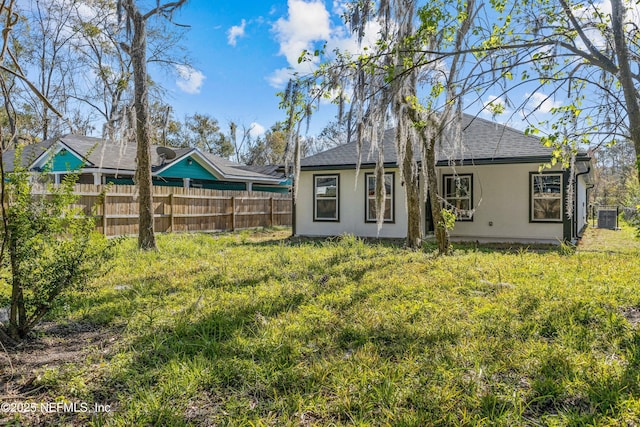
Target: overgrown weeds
[(225, 330)]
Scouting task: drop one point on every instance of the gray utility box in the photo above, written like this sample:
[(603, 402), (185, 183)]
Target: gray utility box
[(608, 218)]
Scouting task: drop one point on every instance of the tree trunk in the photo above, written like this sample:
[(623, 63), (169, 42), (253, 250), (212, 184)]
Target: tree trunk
[(429, 146), (441, 232), (17, 313), (625, 77), (146, 237), (410, 178)]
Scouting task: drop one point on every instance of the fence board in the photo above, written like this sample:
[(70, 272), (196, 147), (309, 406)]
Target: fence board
[(179, 209)]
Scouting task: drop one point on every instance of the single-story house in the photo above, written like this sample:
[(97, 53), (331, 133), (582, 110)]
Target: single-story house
[(100, 162), (493, 179)]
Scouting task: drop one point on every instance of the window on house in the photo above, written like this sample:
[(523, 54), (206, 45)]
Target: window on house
[(371, 198), (546, 197), (326, 198), (458, 195)]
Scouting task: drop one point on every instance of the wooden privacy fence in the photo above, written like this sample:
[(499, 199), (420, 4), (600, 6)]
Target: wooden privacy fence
[(179, 209)]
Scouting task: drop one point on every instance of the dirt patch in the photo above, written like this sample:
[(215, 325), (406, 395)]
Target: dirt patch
[(632, 314), (53, 346)]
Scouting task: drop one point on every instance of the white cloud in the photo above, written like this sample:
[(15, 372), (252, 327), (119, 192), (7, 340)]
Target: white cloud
[(589, 15), (236, 32), (256, 130), (189, 79), (345, 41), (539, 102), (279, 78), (308, 22)]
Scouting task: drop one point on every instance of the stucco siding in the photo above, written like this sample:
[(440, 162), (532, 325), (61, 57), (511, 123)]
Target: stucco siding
[(351, 200), (582, 204), (501, 197)]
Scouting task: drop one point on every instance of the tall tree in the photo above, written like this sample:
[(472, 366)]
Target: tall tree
[(48, 49), (270, 148), (107, 84), (335, 133), (203, 132), (583, 53), (419, 49), (138, 52), (242, 144)]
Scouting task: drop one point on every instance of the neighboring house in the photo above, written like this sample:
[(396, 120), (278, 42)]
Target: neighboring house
[(492, 178), (99, 162)]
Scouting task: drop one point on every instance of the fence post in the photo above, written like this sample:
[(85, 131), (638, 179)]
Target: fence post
[(233, 213), (272, 216), (104, 214), (171, 220)]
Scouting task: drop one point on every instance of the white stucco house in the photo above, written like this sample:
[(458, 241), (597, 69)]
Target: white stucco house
[(492, 178)]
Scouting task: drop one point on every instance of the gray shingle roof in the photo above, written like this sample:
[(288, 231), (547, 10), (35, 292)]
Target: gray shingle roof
[(29, 154), (122, 157), (235, 169), (483, 141), (112, 155)]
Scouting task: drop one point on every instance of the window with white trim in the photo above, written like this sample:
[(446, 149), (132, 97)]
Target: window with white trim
[(370, 202), (546, 197), (326, 198), (458, 195)]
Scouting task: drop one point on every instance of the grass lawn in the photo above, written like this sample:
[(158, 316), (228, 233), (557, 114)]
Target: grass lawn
[(252, 329), (596, 239)]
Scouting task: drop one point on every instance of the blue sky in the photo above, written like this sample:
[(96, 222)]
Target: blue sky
[(241, 51)]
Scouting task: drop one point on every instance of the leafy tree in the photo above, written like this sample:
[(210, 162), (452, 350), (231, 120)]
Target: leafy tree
[(164, 128), (335, 133), (107, 87), (584, 55), (616, 181), (51, 248), (76, 57), (47, 48), (240, 146), (202, 131), (47, 244), (387, 77), (270, 148)]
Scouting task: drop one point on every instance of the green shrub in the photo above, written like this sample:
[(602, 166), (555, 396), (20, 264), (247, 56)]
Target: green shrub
[(49, 247)]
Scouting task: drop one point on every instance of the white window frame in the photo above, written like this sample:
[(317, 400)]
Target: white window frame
[(370, 197), (336, 197), (450, 201), (559, 196)]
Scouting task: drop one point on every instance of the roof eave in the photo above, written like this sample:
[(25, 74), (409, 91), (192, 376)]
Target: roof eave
[(582, 157), (345, 166)]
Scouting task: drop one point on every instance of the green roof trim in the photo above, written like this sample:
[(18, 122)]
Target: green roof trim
[(119, 181), (163, 183), (221, 185), (270, 189)]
